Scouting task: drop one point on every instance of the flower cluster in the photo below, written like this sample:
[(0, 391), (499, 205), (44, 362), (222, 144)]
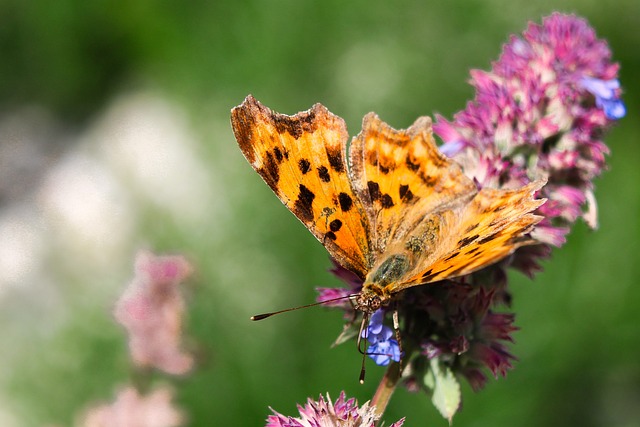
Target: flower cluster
[(131, 409), (325, 413), (539, 113), (151, 310)]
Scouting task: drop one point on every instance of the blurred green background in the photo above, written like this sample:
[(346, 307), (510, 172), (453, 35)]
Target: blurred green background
[(115, 136)]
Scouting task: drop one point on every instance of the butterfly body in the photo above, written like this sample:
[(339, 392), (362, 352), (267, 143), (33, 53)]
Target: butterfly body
[(389, 206), (377, 289)]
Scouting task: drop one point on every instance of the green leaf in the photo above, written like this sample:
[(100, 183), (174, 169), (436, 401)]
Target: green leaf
[(429, 380), (349, 331), (446, 391)]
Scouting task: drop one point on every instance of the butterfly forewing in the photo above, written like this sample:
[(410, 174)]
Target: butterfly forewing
[(303, 159)]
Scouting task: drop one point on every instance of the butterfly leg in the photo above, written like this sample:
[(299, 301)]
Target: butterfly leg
[(396, 328), (365, 321)]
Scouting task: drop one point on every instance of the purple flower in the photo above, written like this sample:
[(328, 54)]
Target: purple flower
[(534, 115), (340, 294), (324, 413)]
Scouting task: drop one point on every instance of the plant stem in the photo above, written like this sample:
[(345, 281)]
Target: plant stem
[(386, 388)]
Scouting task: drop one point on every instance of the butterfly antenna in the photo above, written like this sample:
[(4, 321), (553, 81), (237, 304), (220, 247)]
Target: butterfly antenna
[(273, 313)]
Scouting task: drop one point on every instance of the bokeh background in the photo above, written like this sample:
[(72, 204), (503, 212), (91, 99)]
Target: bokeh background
[(115, 136)]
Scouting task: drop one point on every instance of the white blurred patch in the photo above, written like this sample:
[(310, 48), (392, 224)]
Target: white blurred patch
[(80, 218), (21, 248), (148, 143), (87, 211), (6, 418)]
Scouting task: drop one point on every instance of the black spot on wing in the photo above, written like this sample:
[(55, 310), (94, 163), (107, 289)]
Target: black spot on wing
[(270, 171), (429, 181), (323, 173), (335, 160), (386, 201), (335, 225), (488, 238), (453, 255), (374, 190), (278, 154), (428, 275), (345, 202), (414, 166), (331, 235), (303, 206), (467, 240), (304, 166), (405, 194)]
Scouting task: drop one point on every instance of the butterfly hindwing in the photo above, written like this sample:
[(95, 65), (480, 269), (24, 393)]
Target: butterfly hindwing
[(401, 176), (489, 228), (303, 159)]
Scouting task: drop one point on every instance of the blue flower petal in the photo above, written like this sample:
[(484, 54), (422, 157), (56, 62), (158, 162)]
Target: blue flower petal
[(605, 89), (383, 352), (451, 148), (376, 330), (377, 317), (383, 334), (606, 94), (614, 109)]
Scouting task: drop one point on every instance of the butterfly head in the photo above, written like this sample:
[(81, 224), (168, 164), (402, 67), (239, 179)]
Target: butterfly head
[(370, 299)]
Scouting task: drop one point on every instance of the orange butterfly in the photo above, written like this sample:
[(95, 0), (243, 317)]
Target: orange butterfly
[(389, 207)]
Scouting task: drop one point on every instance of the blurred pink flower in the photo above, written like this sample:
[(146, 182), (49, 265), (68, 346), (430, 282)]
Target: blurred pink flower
[(132, 410), (151, 310)]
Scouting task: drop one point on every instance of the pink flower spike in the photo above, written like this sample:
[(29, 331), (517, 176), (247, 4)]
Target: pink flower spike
[(151, 310), (132, 410)]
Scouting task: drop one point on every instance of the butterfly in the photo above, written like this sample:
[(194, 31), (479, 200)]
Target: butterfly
[(389, 206)]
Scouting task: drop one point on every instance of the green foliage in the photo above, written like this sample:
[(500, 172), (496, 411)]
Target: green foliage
[(446, 394)]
